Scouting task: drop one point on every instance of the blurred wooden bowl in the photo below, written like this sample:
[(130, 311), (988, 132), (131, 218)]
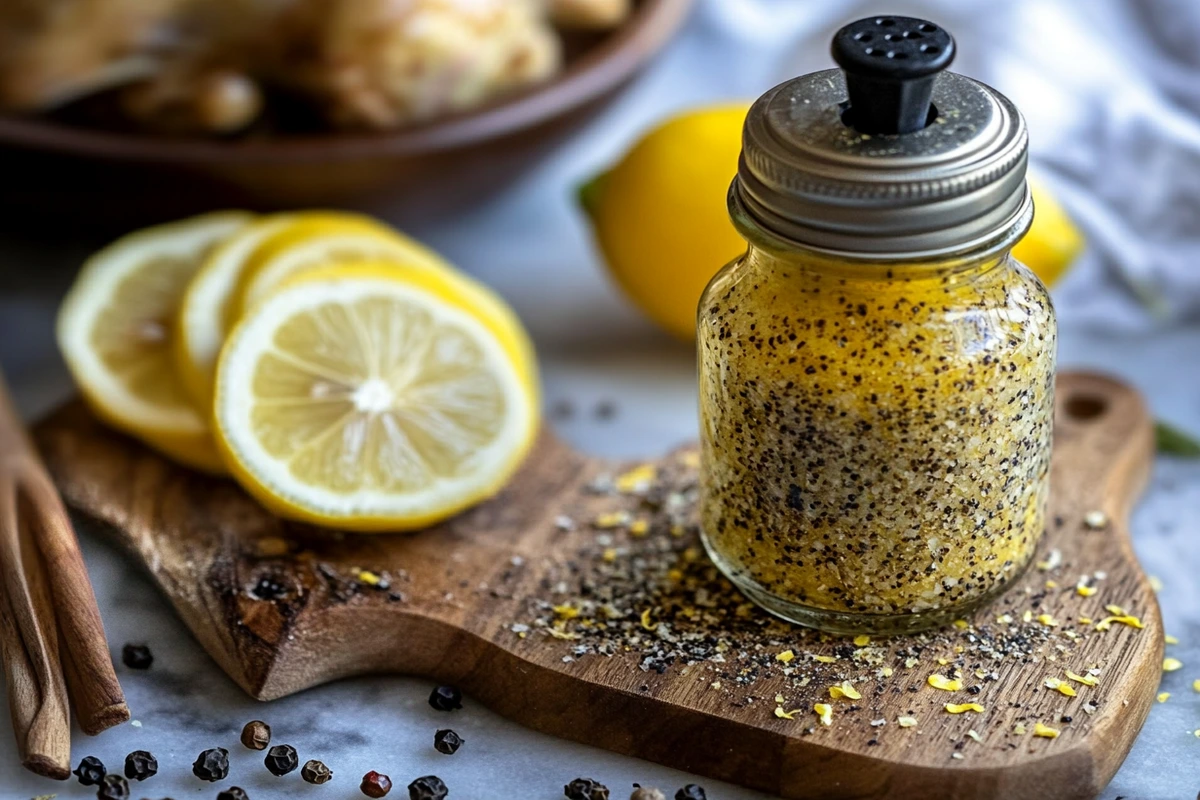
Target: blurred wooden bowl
[(58, 173)]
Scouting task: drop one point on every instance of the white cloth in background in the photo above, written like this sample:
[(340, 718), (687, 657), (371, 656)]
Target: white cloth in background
[(1111, 90)]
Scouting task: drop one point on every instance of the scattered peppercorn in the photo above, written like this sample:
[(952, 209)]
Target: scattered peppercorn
[(281, 759), (256, 735), (90, 771), (137, 656), (233, 793), (691, 792), (446, 698), (375, 785), (646, 793), (113, 787), (429, 787), (212, 765), (140, 764), (447, 741), (316, 772), (585, 789)]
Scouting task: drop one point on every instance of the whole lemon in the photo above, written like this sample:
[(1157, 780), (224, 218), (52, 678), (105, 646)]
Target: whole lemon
[(659, 214), (660, 217)]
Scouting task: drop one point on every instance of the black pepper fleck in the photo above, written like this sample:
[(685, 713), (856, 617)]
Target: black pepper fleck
[(691, 792), (447, 741), (281, 759), (233, 793), (446, 698), (429, 787), (140, 764), (90, 771), (212, 765), (113, 787), (137, 656), (585, 789)]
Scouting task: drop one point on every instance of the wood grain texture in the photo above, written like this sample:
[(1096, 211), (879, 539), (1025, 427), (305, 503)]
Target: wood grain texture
[(459, 589)]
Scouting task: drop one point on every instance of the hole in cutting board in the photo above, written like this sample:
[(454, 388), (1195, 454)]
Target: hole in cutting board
[(1086, 406)]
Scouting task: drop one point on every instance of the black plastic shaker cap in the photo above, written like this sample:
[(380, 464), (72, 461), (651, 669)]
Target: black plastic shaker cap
[(890, 64)]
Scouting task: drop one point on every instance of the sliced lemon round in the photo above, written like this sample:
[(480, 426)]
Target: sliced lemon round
[(370, 398), (115, 328), (321, 239), (206, 311)]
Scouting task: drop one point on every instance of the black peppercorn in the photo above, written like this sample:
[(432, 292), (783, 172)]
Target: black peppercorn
[(429, 787), (375, 785), (256, 735), (315, 772), (446, 698), (281, 759), (137, 656), (113, 787), (447, 741), (233, 793), (585, 789), (212, 765), (140, 765), (691, 792), (90, 771)]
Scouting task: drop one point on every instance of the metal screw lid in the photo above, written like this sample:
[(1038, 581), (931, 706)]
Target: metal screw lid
[(823, 165)]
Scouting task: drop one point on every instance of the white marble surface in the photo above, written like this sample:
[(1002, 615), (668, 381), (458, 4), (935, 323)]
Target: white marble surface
[(530, 244)]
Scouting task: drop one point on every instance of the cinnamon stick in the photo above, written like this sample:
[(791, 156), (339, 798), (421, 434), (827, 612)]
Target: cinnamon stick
[(53, 642)]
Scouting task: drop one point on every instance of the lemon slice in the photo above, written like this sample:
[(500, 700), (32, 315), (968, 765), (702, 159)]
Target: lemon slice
[(322, 239), (115, 328), (371, 398), (206, 312)]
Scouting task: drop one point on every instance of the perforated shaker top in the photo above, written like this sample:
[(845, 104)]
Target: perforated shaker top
[(889, 158)]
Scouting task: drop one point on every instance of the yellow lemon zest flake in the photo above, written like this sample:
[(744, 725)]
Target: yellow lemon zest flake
[(862, 641), (636, 480), (1051, 584), (961, 624), (1086, 680), (1115, 610), (1083, 590), (825, 659), (1172, 664), (1047, 620), (646, 621), (960, 708), (639, 528), (1196, 685), (779, 712), (1163, 697), (1085, 620), (566, 611), (611, 519), (786, 656), (825, 712), (560, 634), (1062, 687), (1125, 619), (944, 683), (609, 555), (1169, 639), (906, 722), (844, 689), (1045, 731), (368, 577)]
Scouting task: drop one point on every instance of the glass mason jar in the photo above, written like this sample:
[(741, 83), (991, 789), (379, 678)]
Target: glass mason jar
[(876, 395)]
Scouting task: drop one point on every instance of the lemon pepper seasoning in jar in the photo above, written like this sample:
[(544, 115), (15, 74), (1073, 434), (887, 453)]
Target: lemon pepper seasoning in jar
[(876, 372)]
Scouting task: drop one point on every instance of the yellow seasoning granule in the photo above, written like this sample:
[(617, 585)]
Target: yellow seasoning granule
[(1086, 680), (1084, 590), (779, 699), (611, 519), (1052, 562), (825, 659), (1060, 686), (637, 479), (1127, 619), (690, 459), (1051, 584), (639, 528), (906, 722), (1047, 620), (1196, 685), (862, 641), (566, 611), (887, 673), (825, 712), (961, 624), (779, 712), (369, 578), (1085, 620), (1045, 731), (1169, 639), (1172, 664), (944, 683), (786, 656), (1004, 619), (646, 621), (609, 555), (560, 634), (1019, 729), (1156, 583), (1163, 697), (844, 689), (1027, 616), (1115, 610), (960, 708)]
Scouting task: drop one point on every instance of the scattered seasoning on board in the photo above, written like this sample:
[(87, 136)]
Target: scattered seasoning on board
[(281, 759), (233, 793), (140, 764), (375, 785), (447, 742), (446, 698), (316, 772), (646, 793), (585, 789), (256, 735), (113, 787), (691, 792), (90, 771), (137, 656), (428, 787), (212, 765)]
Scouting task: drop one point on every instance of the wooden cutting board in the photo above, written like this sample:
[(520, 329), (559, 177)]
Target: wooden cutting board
[(628, 640)]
